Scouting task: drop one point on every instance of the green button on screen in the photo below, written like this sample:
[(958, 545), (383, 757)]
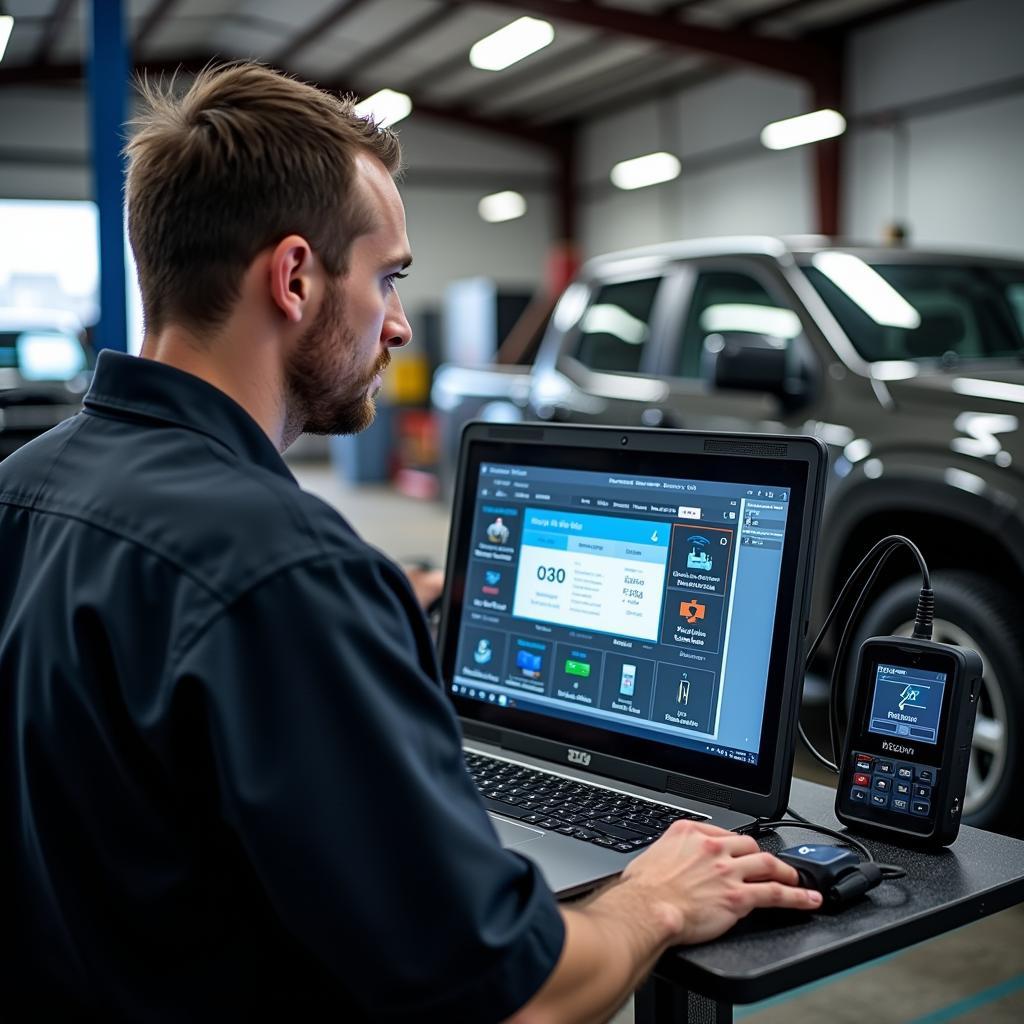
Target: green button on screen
[(578, 668)]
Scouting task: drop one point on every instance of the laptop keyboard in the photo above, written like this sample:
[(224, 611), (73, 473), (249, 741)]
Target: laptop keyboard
[(591, 814)]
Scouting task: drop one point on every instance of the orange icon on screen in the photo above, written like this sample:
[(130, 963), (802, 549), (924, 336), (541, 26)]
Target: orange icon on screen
[(692, 611)]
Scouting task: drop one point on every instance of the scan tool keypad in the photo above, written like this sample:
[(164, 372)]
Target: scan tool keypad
[(889, 785)]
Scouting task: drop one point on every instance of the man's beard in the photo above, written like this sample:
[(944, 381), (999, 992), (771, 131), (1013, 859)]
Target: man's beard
[(327, 392)]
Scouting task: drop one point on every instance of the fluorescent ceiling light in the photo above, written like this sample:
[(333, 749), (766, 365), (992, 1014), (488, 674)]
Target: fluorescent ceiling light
[(501, 206), (512, 43), (6, 28), (799, 131), (868, 289), (642, 171), (385, 108)]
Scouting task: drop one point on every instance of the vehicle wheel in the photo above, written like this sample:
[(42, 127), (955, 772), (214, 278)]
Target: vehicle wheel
[(972, 611)]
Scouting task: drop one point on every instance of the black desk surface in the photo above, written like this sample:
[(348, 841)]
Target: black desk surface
[(980, 874)]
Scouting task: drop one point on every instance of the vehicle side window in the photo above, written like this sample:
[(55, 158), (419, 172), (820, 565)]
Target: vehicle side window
[(727, 301), (1015, 295), (616, 326)]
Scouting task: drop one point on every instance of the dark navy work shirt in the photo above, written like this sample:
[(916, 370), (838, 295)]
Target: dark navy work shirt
[(231, 783)]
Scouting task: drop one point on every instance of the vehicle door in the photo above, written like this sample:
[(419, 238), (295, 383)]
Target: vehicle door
[(607, 365), (742, 303)]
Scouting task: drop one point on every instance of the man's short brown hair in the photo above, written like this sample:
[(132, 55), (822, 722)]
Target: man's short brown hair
[(245, 157)]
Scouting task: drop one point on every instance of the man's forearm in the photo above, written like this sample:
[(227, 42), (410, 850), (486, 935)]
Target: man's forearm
[(611, 944), (690, 886)]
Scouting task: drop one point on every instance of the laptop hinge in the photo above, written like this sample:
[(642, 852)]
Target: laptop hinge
[(479, 731)]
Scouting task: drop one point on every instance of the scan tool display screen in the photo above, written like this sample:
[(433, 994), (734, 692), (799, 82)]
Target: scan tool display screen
[(907, 703), (643, 604)]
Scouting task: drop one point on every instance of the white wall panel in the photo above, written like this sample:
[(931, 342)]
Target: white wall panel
[(450, 241), (938, 50), (734, 109), (966, 175), (766, 194)]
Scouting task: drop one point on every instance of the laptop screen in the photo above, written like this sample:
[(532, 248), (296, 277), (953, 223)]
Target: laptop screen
[(637, 603)]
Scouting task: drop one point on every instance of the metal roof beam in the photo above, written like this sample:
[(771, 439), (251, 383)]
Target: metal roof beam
[(70, 73), (389, 46), (158, 13), (51, 32), (324, 23), (786, 56)]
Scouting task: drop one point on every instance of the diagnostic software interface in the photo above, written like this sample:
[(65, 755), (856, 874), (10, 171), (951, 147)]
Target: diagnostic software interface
[(645, 605)]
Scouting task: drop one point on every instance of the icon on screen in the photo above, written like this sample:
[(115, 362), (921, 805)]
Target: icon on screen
[(497, 532), (698, 558), (910, 696), (484, 652), (683, 693), (692, 611), (578, 669), (529, 664), (491, 580), (627, 681)]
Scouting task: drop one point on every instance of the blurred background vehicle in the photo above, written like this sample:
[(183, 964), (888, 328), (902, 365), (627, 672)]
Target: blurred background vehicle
[(908, 364), (45, 368)]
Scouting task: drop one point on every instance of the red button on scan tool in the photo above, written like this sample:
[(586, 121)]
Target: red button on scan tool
[(861, 780)]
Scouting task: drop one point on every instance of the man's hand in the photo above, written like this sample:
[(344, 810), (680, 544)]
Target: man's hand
[(700, 880), (426, 584), (691, 885)]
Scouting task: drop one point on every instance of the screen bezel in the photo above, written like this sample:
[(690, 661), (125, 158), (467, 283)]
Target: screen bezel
[(678, 454)]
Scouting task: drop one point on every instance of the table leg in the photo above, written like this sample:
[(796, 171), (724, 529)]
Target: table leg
[(658, 1001)]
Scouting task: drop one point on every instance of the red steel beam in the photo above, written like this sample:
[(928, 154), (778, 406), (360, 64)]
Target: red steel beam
[(51, 74), (786, 56)]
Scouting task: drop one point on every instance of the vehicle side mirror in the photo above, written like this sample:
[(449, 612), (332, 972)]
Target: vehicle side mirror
[(744, 361)]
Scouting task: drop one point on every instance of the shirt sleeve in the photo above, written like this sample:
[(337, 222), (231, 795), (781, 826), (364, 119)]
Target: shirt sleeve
[(340, 768)]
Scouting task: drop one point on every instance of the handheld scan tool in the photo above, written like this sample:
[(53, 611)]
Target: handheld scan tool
[(904, 766)]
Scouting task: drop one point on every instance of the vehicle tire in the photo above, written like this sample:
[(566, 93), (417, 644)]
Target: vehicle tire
[(974, 612)]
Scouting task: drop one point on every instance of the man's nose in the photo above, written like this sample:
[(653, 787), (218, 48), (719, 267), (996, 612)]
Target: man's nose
[(397, 331)]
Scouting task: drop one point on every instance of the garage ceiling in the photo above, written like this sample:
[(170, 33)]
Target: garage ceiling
[(603, 56)]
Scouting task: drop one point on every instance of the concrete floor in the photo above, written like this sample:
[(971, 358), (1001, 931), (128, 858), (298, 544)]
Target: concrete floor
[(972, 975)]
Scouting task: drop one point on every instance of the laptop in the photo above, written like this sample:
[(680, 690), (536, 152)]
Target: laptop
[(622, 632)]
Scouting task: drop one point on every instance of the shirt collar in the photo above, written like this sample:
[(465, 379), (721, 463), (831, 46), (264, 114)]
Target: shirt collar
[(128, 387)]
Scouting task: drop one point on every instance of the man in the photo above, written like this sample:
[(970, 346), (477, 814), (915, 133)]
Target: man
[(232, 783)]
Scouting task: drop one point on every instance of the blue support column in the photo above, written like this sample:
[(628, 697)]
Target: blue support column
[(108, 84)]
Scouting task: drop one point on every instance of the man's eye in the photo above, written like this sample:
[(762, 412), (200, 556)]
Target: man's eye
[(389, 281)]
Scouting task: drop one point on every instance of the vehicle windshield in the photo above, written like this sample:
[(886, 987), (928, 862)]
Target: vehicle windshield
[(919, 311)]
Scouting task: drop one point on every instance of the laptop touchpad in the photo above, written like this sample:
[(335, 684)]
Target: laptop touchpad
[(511, 833)]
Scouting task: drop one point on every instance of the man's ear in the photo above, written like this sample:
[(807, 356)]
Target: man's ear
[(292, 277)]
